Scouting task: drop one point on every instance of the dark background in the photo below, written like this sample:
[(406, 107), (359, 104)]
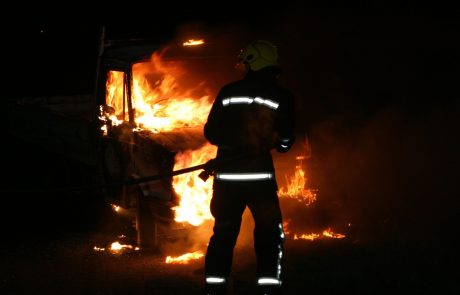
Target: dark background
[(376, 90)]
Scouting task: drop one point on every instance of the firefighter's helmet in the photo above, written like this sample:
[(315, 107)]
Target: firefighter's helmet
[(258, 55)]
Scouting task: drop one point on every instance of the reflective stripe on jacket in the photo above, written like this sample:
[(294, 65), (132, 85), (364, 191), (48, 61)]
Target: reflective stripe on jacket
[(251, 116)]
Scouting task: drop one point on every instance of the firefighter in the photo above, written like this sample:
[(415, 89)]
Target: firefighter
[(249, 118)]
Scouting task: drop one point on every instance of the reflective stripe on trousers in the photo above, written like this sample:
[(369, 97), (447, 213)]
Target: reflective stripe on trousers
[(215, 280), (244, 176), (269, 281), (275, 281)]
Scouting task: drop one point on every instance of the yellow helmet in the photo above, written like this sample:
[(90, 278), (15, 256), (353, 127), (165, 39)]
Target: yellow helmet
[(259, 54)]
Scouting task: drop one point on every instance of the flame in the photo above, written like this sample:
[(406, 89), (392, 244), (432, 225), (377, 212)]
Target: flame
[(115, 98), (160, 101), (193, 42), (115, 208), (116, 248), (168, 105), (310, 237), (285, 227), (185, 258), (164, 98), (296, 187), (327, 233), (195, 193)]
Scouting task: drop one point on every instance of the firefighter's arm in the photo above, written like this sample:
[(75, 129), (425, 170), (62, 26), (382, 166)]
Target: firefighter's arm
[(286, 138)]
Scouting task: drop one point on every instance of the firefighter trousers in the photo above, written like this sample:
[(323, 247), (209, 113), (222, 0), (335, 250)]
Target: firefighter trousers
[(227, 206)]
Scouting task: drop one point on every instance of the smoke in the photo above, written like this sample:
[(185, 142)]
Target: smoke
[(391, 176), (177, 239), (382, 133)]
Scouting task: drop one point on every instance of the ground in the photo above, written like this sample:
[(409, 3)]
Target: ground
[(48, 247), (69, 265)]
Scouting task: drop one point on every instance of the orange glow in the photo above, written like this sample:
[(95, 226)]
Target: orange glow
[(159, 101), (164, 99), (116, 248), (115, 96), (167, 106), (327, 233), (185, 258), (193, 42), (296, 186), (310, 237), (285, 227), (195, 193)]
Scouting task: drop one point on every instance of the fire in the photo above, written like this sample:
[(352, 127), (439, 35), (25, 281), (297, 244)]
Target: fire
[(160, 101), (310, 237), (116, 93), (285, 228), (167, 105), (116, 248), (195, 193), (185, 258), (296, 186), (193, 42), (327, 233), (165, 99)]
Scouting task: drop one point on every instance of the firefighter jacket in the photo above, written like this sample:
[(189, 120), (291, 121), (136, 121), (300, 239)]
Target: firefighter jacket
[(248, 119)]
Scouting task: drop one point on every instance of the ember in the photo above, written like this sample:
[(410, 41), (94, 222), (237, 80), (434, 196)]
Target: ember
[(116, 248), (327, 233)]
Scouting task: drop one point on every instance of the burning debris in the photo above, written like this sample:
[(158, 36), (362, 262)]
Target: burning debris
[(193, 42), (185, 258), (296, 186), (327, 233), (117, 247)]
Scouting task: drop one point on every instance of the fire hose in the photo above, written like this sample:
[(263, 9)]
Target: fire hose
[(208, 170)]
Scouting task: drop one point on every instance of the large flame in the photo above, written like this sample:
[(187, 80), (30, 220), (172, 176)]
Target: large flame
[(165, 98), (195, 193), (167, 105), (160, 101)]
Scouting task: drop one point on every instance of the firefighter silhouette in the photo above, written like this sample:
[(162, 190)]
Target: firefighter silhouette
[(249, 118)]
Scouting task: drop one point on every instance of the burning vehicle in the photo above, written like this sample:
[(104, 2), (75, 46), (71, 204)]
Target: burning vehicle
[(153, 103), (146, 118)]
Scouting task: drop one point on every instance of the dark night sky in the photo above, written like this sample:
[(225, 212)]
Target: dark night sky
[(393, 55)]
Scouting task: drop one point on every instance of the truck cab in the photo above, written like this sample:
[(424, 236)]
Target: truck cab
[(145, 117), (153, 102)]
